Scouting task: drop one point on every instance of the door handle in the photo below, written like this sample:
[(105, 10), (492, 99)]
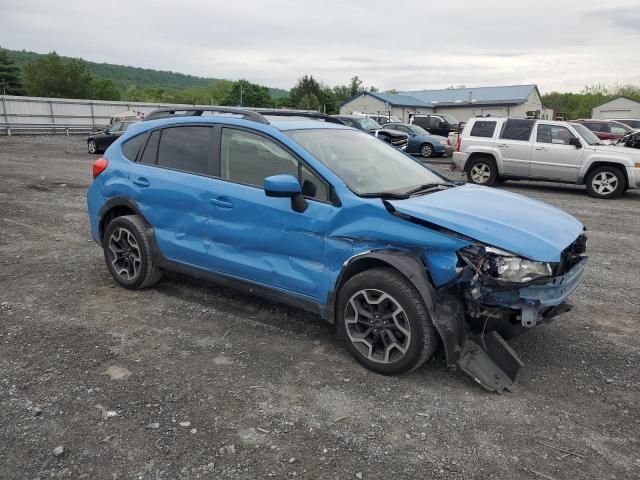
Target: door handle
[(142, 182), (503, 145), (221, 202), (542, 148)]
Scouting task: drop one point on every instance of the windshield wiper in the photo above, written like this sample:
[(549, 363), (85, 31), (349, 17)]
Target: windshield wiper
[(386, 195), (428, 186)]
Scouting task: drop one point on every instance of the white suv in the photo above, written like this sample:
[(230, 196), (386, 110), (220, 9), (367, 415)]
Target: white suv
[(493, 149)]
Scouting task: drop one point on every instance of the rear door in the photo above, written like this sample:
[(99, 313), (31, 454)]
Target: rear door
[(172, 185), (553, 157), (514, 146)]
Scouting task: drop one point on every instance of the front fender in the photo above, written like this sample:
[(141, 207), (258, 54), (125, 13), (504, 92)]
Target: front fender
[(445, 308)]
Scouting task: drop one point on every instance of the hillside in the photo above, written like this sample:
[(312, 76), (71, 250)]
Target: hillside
[(124, 76)]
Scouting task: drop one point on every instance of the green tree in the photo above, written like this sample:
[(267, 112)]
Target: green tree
[(104, 89), (306, 93), (10, 82), (248, 94), (49, 76), (355, 86)]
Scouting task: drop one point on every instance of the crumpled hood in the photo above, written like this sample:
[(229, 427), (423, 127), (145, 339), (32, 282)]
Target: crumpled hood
[(502, 219)]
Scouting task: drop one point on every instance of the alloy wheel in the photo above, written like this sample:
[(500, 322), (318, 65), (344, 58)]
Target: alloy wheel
[(124, 254), (426, 151), (377, 326), (480, 173), (605, 183), (92, 146)]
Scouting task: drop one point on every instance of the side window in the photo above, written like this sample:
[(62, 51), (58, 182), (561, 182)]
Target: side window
[(434, 122), (517, 130), (248, 158), (553, 134), (130, 148), (483, 129), (150, 154), (312, 186), (185, 148), (616, 130), (114, 128)]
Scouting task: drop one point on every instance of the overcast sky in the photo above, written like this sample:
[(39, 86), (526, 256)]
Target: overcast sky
[(560, 44)]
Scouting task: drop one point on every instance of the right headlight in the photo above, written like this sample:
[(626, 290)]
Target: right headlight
[(505, 266)]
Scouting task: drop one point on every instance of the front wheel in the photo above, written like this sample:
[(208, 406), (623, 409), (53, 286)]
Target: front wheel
[(426, 150), (92, 146), (383, 322), (606, 182)]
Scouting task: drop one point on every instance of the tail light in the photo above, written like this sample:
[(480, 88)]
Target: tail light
[(99, 166), (459, 143)]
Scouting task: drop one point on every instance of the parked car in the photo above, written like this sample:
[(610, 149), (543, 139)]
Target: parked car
[(383, 119), (324, 217), (422, 142), (128, 116), (630, 122), (99, 141), (367, 124), (495, 149), (439, 124), (605, 129), (630, 140)]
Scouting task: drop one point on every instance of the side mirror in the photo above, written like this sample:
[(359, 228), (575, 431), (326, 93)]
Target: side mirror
[(286, 186), (575, 142)]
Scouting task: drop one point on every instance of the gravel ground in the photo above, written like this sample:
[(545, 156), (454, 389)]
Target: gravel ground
[(188, 380)]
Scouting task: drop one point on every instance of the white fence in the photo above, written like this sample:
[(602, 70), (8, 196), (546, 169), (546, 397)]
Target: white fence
[(18, 113)]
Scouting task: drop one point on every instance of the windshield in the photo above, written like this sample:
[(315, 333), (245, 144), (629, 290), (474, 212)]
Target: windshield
[(451, 120), (367, 123), (418, 130), (367, 165), (586, 134)]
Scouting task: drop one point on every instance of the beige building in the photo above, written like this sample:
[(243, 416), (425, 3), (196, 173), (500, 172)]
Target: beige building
[(621, 107), (518, 101)]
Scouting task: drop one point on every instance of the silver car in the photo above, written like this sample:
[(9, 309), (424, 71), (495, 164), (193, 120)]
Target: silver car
[(492, 149)]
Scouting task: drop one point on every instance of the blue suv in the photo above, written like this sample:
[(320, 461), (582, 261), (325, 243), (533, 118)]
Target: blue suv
[(332, 220)]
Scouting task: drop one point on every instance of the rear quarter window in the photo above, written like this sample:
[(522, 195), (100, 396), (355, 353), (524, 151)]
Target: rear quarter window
[(131, 147), (517, 130), (483, 129)]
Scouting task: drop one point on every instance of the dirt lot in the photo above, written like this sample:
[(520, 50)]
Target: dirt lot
[(188, 380)]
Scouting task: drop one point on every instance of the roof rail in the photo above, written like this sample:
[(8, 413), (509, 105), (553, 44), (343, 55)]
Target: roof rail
[(296, 113), (197, 112)]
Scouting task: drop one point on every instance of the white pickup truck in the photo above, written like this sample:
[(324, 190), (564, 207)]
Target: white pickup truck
[(492, 149)]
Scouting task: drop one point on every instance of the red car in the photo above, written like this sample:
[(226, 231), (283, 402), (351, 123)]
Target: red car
[(605, 129)]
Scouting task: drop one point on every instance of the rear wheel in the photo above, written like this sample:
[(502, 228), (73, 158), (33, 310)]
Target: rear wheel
[(482, 171), (426, 150), (128, 254), (384, 323), (606, 182)]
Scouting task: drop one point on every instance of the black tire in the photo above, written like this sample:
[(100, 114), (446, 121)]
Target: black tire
[(92, 146), (146, 274), (426, 150), (487, 166), (606, 182), (423, 339)]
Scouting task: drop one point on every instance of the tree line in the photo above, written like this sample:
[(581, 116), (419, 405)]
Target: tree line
[(59, 77)]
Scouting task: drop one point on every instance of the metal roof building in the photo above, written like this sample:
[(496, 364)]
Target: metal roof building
[(620, 107), (462, 103)]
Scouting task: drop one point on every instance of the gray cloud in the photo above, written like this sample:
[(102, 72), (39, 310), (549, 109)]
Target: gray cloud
[(404, 45)]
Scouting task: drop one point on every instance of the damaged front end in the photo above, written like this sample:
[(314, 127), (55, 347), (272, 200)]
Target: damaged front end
[(497, 295)]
